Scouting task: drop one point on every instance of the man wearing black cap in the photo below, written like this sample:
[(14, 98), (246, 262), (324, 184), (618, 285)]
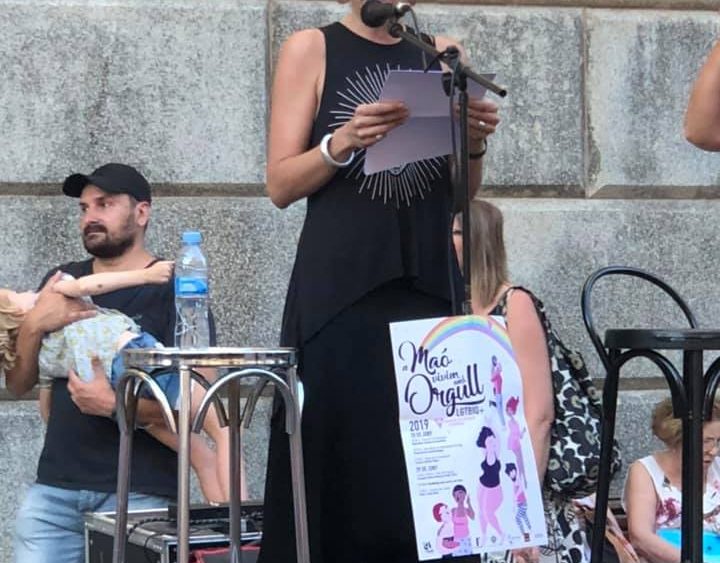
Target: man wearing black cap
[(77, 471)]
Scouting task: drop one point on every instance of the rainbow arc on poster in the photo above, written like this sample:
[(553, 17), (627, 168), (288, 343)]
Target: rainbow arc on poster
[(473, 323)]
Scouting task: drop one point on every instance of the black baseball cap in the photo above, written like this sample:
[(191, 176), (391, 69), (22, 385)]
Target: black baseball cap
[(113, 178)]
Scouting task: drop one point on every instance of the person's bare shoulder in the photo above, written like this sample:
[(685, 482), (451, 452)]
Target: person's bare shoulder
[(301, 61), (304, 45), (521, 304), (638, 480)]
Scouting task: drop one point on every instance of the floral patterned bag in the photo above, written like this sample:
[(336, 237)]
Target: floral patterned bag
[(574, 458)]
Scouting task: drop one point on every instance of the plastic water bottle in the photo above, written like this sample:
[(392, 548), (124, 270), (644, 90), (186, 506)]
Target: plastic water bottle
[(191, 294)]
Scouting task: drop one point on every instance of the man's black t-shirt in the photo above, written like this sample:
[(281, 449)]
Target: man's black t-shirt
[(81, 451)]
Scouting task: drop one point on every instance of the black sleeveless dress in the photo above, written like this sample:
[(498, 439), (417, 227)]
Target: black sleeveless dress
[(373, 250)]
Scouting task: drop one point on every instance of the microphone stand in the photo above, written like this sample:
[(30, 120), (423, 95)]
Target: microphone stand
[(461, 73)]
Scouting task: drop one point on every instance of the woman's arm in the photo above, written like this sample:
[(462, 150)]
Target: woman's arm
[(530, 346), (295, 170), (105, 282), (702, 120), (641, 505), (482, 122)]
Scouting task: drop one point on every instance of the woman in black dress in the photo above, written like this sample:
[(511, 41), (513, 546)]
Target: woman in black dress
[(373, 250)]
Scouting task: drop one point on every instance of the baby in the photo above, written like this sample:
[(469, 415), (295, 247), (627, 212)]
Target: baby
[(100, 339)]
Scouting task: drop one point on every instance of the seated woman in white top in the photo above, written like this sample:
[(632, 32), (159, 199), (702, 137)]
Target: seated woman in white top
[(652, 497)]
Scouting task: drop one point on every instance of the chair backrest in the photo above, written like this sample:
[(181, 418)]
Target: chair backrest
[(586, 301)]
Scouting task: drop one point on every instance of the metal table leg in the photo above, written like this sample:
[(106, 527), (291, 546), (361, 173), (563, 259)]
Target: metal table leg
[(610, 392), (692, 480), (183, 529), (126, 409), (235, 471), (298, 473), (126, 398), (289, 391)]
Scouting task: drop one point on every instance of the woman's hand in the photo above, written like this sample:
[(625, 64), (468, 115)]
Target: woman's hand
[(483, 120), (369, 124), (160, 272)]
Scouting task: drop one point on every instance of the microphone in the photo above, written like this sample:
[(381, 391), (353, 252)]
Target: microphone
[(375, 13)]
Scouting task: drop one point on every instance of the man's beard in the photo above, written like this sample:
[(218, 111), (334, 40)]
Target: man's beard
[(109, 246)]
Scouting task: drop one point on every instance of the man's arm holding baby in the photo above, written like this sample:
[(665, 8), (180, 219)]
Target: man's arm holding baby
[(97, 397), (51, 312)]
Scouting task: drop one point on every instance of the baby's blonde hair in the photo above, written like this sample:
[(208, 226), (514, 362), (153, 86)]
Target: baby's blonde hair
[(10, 319)]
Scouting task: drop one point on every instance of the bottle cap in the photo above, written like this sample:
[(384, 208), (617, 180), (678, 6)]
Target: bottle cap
[(192, 237)]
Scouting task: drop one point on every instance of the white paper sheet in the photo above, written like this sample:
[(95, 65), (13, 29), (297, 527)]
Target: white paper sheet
[(426, 133)]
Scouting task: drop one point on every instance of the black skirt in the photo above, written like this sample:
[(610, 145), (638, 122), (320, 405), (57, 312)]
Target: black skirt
[(357, 489)]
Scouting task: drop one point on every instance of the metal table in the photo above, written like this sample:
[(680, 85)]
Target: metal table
[(275, 366), (692, 394)]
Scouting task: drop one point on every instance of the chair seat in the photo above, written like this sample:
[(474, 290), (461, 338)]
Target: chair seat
[(662, 339)]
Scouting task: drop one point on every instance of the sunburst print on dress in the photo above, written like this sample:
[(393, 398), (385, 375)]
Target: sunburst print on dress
[(400, 184)]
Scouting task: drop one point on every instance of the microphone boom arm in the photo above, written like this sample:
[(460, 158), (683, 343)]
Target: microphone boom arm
[(398, 30), (451, 57)]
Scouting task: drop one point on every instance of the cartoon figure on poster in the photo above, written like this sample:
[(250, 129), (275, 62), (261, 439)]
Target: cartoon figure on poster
[(497, 381), (489, 492), (472, 474), (521, 517), (515, 435), (461, 515), (446, 544)]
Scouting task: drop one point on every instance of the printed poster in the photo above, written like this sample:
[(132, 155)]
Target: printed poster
[(470, 464)]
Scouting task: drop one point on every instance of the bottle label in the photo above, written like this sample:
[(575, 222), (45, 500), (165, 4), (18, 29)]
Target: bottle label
[(190, 287)]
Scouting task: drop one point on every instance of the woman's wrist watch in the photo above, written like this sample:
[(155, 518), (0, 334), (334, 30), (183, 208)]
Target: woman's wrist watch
[(327, 157)]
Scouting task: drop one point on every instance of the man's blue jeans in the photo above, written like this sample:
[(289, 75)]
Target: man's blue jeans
[(50, 523)]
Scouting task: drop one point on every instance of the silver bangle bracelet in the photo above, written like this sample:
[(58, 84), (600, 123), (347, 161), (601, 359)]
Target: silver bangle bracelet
[(328, 158)]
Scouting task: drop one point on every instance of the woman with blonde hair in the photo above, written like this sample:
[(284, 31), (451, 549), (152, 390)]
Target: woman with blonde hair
[(653, 497), (494, 294)]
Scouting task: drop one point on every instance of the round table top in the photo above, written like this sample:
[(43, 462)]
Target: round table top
[(662, 339), (219, 357)]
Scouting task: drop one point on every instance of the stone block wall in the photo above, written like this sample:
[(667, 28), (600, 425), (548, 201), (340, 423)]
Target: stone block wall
[(589, 165)]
